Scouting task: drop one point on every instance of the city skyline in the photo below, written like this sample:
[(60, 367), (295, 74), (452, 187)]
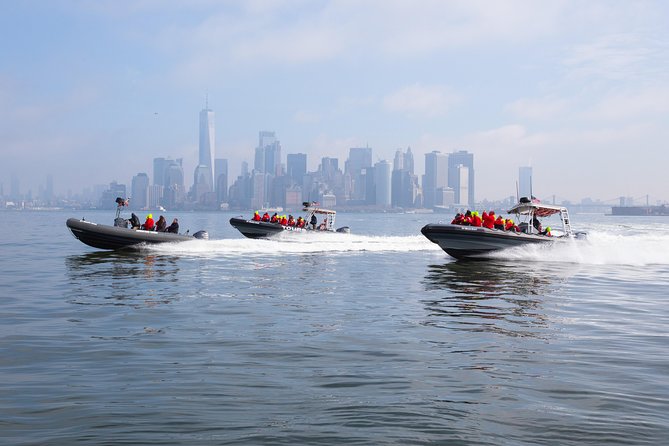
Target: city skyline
[(580, 92)]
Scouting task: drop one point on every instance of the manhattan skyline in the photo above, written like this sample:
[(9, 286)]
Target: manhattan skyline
[(577, 91)]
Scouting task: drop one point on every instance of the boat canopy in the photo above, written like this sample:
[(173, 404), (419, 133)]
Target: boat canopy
[(538, 209)]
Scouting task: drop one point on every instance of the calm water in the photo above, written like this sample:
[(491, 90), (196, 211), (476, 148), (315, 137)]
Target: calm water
[(373, 338)]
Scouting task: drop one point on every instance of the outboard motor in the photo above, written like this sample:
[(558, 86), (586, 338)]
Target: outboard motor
[(344, 230), (202, 235)]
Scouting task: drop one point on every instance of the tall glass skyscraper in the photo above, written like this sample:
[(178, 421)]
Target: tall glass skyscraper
[(206, 158), (455, 160)]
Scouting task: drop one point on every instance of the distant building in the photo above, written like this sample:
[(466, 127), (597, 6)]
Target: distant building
[(455, 160), (204, 172), (382, 182), (525, 181), (359, 160), (296, 167), (140, 191), (404, 184), (436, 176), (221, 183), (108, 197)]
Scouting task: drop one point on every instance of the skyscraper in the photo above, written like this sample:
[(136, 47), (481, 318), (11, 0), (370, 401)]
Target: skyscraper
[(140, 188), (205, 168), (436, 176), (455, 160), (221, 169), (382, 177), (525, 181), (359, 159), (296, 166)]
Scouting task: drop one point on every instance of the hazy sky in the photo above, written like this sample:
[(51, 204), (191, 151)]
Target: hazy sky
[(92, 91)]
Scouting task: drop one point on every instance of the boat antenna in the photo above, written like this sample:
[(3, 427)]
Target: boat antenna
[(517, 192)]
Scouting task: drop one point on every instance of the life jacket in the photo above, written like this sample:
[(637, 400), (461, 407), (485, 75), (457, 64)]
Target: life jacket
[(488, 220), (274, 219), (499, 223), (256, 217), (265, 217), (476, 220), (148, 224)]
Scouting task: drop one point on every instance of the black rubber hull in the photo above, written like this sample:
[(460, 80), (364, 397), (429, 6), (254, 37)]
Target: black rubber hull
[(256, 229), (112, 237), (464, 242)]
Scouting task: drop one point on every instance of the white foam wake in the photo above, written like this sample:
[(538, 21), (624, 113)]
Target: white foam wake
[(299, 243)]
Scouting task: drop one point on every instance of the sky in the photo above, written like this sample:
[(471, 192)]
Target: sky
[(92, 91)]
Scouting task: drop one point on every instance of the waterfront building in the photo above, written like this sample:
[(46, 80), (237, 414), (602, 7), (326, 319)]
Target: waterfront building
[(525, 181), (359, 160), (455, 160), (382, 183), (140, 191), (435, 177)]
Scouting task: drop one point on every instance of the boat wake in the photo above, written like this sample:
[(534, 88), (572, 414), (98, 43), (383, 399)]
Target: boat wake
[(298, 244), (600, 248)]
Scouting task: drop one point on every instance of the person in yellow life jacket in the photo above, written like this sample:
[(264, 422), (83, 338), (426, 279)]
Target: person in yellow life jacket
[(149, 223), (546, 232), (476, 219), (511, 226), (256, 216), (274, 219), (284, 220)]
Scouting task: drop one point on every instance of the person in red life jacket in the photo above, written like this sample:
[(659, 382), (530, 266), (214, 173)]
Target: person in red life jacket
[(274, 219), (284, 220), (467, 219), (300, 222), (256, 216), (511, 226), (476, 219), (489, 220), (499, 223), (149, 223), (265, 217), (457, 220), (291, 221)]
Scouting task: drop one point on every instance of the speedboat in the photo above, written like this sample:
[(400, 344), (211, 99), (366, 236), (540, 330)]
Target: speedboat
[(266, 229), (463, 242), (120, 235)]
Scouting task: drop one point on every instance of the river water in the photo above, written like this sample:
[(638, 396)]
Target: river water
[(377, 337)]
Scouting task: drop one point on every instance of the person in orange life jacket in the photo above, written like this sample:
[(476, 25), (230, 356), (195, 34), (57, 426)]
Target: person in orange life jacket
[(476, 219), (284, 220), (274, 219), (489, 220), (300, 222), (265, 217), (291, 220), (511, 226), (148, 224), (457, 220), (256, 216), (499, 223)]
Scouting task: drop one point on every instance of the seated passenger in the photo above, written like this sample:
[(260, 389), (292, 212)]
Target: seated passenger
[(134, 221), (489, 220), (291, 221), (323, 226), (161, 224), (511, 226), (476, 219), (300, 222), (499, 223), (274, 219), (284, 220), (467, 219), (256, 216), (457, 220), (265, 217), (148, 224), (174, 227)]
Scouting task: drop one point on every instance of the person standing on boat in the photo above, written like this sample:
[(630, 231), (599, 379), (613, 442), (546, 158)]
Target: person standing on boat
[(314, 221), (537, 224), (161, 224), (174, 227)]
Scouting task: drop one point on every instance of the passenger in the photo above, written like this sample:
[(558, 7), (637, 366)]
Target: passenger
[(467, 220), (148, 224), (256, 216), (499, 223), (300, 222), (274, 219), (174, 227), (511, 226), (313, 221), (284, 220), (489, 220), (546, 232), (265, 217), (323, 226), (537, 224), (161, 224), (457, 220), (134, 221), (291, 221), (476, 220)]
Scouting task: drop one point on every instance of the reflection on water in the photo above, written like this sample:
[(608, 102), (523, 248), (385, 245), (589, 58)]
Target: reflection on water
[(131, 277), (492, 296)]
